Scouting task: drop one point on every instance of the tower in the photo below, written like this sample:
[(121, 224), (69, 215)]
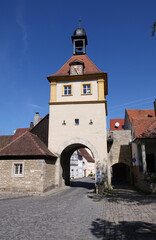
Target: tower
[(77, 110), (79, 39)]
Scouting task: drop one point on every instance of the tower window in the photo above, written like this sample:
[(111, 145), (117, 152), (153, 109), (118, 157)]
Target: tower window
[(86, 88), (76, 121), (67, 89)]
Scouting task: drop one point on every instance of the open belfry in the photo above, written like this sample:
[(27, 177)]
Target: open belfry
[(77, 111)]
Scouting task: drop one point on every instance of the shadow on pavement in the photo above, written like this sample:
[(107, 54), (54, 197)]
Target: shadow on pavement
[(125, 194), (123, 230), (128, 194), (83, 184)]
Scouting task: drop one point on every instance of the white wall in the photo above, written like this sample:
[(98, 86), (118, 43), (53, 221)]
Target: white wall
[(95, 133), (76, 86), (92, 136)]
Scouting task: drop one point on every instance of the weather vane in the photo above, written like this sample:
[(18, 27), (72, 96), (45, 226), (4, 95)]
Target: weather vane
[(80, 23)]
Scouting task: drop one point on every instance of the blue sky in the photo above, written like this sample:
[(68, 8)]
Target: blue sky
[(36, 41)]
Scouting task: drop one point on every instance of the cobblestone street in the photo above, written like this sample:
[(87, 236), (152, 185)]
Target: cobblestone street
[(76, 213)]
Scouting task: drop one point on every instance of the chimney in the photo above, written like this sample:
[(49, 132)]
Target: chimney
[(36, 118), (31, 125), (155, 107)]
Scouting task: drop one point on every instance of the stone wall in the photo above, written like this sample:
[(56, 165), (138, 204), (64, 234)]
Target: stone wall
[(119, 151), (49, 175), (37, 176), (141, 183)]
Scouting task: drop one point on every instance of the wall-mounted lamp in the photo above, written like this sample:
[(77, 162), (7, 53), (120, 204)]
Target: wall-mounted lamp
[(64, 122), (91, 122)]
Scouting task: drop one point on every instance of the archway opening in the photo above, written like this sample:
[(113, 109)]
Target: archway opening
[(120, 174), (65, 160)]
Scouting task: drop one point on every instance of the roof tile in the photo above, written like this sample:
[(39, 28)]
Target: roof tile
[(140, 113), (84, 153), (27, 144), (89, 66), (4, 140), (145, 127)]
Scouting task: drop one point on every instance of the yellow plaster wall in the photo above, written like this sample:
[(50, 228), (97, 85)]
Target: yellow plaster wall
[(101, 89), (53, 92)]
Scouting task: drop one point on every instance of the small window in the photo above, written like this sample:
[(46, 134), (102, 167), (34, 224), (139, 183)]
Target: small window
[(86, 88), (67, 90), (76, 121), (18, 169)]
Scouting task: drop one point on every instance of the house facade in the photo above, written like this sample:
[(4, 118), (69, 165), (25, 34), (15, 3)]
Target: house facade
[(76, 165), (131, 151), (26, 164), (144, 151)]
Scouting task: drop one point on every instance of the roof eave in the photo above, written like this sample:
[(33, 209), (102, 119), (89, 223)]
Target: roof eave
[(11, 156)]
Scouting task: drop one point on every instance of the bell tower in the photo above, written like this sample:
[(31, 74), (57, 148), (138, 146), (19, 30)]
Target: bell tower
[(77, 110), (79, 39)]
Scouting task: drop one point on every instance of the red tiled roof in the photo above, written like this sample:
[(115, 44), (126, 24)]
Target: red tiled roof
[(114, 121), (89, 66), (145, 127), (4, 140), (84, 153), (27, 144), (19, 132), (140, 113)]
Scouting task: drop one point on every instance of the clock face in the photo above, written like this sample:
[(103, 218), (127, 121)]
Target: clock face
[(76, 70)]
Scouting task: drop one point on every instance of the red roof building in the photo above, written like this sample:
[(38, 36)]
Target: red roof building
[(89, 66), (137, 113), (84, 153), (140, 113), (117, 124), (144, 127), (25, 145)]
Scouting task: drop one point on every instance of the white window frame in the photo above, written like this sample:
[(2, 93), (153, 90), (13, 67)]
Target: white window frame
[(67, 90), (18, 171), (86, 88)]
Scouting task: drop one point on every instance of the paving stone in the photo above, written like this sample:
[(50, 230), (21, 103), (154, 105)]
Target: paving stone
[(76, 213)]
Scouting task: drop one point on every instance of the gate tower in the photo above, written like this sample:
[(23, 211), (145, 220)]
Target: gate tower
[(77, 110)]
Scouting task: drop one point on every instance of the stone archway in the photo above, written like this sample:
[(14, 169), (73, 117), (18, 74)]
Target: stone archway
[(65, 153)]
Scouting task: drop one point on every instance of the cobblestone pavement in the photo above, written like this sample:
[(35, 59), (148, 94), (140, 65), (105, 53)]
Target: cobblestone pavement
[(76, 213)]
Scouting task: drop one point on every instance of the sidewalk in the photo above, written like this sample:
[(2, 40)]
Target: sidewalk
[(12, 195), (128, 215)]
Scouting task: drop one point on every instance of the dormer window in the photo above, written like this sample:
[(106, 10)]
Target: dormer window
[(76, 67)]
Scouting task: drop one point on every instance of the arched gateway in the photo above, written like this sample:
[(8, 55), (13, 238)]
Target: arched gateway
[(77, 109), (65, 153)]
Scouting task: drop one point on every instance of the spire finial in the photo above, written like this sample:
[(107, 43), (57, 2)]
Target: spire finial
[(80, 23)]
